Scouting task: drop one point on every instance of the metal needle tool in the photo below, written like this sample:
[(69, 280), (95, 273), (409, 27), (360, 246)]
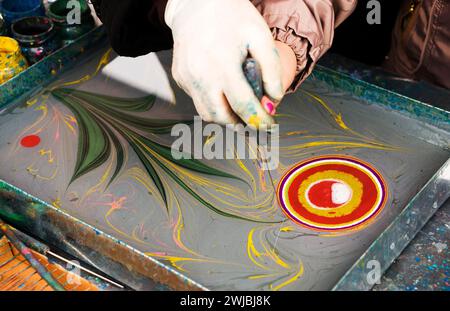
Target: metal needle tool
[(253, 74)]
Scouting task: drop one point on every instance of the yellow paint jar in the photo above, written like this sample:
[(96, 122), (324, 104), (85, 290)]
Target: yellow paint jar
[(12, 62)]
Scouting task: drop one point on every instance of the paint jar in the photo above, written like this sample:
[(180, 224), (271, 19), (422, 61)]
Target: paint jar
[(72, 19), (13, 10), (36, 36), (12, 62), (3, 29)]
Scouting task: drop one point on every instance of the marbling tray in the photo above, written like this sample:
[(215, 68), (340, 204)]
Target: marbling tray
[(86, 169)]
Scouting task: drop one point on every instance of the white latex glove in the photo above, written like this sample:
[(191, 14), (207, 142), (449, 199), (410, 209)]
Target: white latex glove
[(212, 38)]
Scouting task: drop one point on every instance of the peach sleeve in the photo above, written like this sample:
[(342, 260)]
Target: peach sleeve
[(307, 26)]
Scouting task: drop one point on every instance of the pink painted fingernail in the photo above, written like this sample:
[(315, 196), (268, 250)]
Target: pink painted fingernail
[(270, 107)]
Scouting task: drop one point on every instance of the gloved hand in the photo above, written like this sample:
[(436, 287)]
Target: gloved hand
[(212, 38)]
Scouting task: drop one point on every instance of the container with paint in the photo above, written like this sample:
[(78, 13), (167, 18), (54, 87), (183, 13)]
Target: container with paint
[(36, 36), (12, 62), (68, 24), (13, 10)]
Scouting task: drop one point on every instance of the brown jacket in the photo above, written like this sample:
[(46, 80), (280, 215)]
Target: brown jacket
[(420, 46), (137, 27)]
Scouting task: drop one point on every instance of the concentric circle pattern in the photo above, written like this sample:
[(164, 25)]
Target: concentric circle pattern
[(332, 193)]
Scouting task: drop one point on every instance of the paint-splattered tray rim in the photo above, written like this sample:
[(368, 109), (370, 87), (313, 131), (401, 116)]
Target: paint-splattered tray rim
[(380, 96), (41, 73)]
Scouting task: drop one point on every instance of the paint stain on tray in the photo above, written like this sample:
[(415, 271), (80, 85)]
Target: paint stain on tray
[(30, 141)]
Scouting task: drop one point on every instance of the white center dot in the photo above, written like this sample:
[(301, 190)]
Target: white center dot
[(340, 193)]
